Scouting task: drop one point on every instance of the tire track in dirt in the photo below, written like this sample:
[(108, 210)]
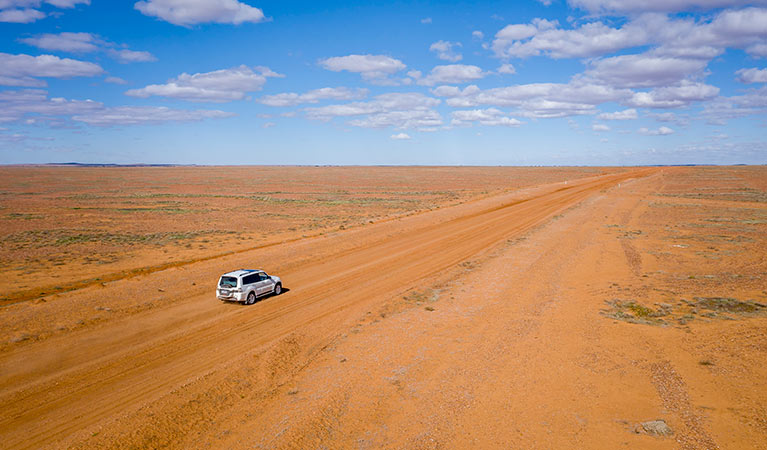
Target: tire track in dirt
[(52, 409), (673, 393), (633, 258)]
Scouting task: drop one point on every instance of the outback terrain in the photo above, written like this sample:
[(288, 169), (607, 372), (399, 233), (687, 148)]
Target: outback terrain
[(425, 307), (84, 225)]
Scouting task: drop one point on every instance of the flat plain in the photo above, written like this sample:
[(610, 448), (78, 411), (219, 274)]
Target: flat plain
[(426, 307), (64, 227)]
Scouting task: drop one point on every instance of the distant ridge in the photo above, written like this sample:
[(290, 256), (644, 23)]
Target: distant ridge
[(77, 164)]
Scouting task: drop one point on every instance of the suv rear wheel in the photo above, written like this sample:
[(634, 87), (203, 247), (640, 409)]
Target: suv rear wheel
[(251, 299)]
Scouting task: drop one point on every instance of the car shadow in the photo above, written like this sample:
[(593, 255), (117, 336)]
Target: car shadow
[(284, 291), (260, 299)]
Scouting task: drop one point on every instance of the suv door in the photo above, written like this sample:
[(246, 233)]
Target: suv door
[(264, 284), (250, 282)]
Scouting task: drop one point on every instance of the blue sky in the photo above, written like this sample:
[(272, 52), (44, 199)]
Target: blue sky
[(536, 82)]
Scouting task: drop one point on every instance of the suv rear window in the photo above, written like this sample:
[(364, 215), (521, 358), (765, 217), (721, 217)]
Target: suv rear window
[(228, 282)]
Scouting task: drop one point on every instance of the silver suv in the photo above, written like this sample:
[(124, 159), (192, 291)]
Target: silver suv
[(246, 285)]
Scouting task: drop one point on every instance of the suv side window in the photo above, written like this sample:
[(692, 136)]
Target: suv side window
[(262, 276), (249, 279)]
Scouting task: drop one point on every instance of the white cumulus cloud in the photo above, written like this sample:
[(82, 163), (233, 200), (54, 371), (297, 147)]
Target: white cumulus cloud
[(23, 70), (644, 70), (313, 96), (192, 12), (16, 105), (680, 37), (67, 42), (507, 69), (374, 68), (24, 11), (86, 43), (758, 50), (147, 115), (626, 114), (34, 104), (488, 117), (217, 86), (452, 74), (752, 75), (600, 127), (635, 6), (419, 119), (674, 96), (26, 15), (131, 56), (397, 110), (662, 131), (752, 102), (382, 103), (115, 80), (400, 136), (67, 3), (446, 50), (538, 100)]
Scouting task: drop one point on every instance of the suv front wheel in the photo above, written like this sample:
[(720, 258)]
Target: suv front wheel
[(277, 289), (251, 299)]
